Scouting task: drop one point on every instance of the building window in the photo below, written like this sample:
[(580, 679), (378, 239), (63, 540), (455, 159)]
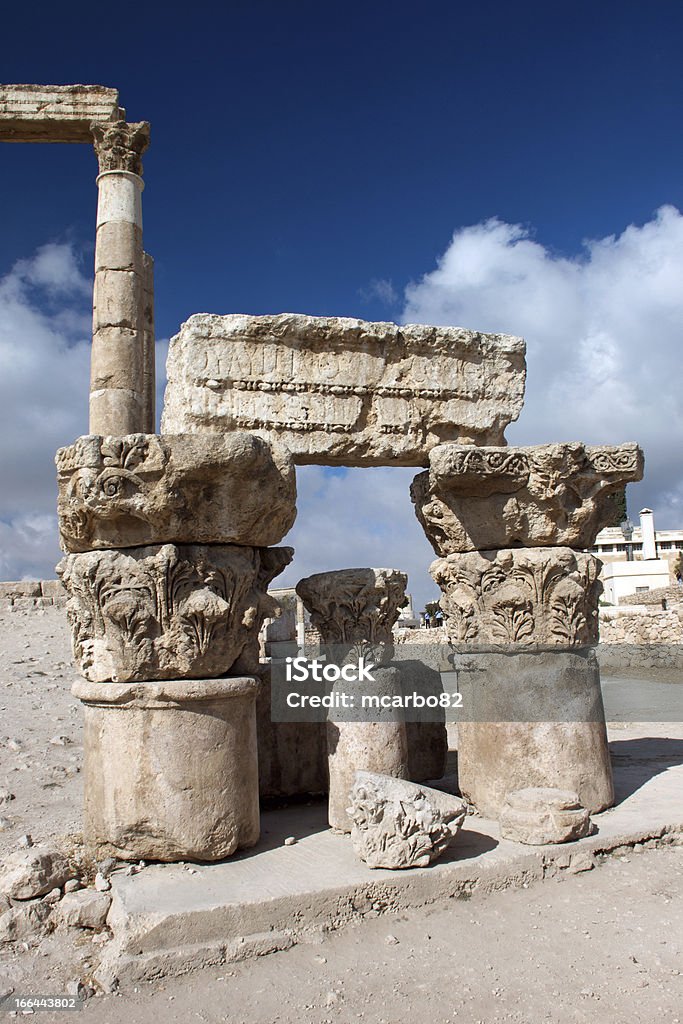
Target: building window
[(642, 590), (666, 545)]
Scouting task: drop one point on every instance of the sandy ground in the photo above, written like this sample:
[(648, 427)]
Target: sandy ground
[(604, 946)]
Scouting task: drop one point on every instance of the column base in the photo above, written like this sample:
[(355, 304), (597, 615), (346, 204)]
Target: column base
[(533, 719), (171, 768)]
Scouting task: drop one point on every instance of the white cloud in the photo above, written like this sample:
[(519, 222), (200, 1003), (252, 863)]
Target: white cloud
[(44, 355), (603, 330)]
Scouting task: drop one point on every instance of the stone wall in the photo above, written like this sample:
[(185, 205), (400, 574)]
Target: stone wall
[(672, 595), (641, 638), (32, 594)]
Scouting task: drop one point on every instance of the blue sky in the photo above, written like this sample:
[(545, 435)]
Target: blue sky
[(324, 157)]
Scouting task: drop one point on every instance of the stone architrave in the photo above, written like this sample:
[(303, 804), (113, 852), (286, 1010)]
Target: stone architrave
[(55, 113), (398, 824), (354, 611), (170, 768), (340, 391), (141, 489), (531, 597), (122, 363), (168, 612), (475, 498), (539, 817)]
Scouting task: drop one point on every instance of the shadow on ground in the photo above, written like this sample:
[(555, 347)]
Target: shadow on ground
[(636, 761)]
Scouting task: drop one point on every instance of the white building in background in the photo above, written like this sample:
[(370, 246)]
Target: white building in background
[(637, 558)]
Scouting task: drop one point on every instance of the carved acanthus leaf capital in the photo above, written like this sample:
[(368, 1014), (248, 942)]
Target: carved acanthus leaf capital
[(119, 145)]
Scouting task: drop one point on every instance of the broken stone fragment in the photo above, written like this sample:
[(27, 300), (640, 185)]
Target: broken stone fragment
[(85, 909), (539, 816), (399, 824), (26, 874), (22, 923), (141, 489), (168, 612), (341, 391), (476, 498)]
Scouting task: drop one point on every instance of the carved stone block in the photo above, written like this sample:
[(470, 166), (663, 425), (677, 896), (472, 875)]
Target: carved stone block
[(168, 612), (355, 608), (398, 824), (340, 391), (549, 495), (118, 492), (528, 597), (537, 817)]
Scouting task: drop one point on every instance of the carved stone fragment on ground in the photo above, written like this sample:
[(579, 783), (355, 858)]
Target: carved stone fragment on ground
[(475, 498), (539, 816), (168, 612), (399, 824), (340, 391), (119, 492)]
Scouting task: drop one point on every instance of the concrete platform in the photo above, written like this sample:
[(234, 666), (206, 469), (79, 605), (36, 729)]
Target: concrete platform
[(170, 919)]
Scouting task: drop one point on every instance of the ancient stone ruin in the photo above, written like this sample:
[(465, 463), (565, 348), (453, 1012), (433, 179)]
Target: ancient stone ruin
[(170, 545)]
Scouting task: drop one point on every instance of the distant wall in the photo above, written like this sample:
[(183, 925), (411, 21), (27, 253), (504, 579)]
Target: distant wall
[(32, 594)]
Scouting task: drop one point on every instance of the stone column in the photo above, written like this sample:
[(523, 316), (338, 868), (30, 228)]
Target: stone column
[(354, 611), (122, 364), (521, 610)]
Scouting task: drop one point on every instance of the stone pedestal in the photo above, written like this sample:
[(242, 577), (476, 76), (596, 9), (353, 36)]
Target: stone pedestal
[(532, 719), (379, 746), (354, 611), (171, 768), (521, 609)]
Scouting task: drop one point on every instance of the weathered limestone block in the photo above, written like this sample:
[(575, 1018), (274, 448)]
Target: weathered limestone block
[(538, 817), (84, 909), (340, 391), (532, 718), (168, 612), (398, 824), (119, 492), (356, 608), (170, 768), (530, 597), (376, 745), (54, 113), (26, 874), (549, 495)]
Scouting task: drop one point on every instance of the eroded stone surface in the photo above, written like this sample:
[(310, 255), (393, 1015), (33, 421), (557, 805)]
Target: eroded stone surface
[(532, 718), (168, 612), (33, 872), (343, 391), (170, 768), (119, 146), (54, 113), (398, 824), (534, 596), (355, 607), (119, 492), (540, 816), (477, 498)]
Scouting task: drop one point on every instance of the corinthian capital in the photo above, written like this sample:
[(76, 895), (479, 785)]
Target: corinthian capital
[(119, 145)]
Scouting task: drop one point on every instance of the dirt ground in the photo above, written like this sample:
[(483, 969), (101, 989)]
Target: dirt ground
[(604, 946)]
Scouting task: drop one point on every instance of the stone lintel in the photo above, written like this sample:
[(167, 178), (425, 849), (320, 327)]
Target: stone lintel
[(55, 113)]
